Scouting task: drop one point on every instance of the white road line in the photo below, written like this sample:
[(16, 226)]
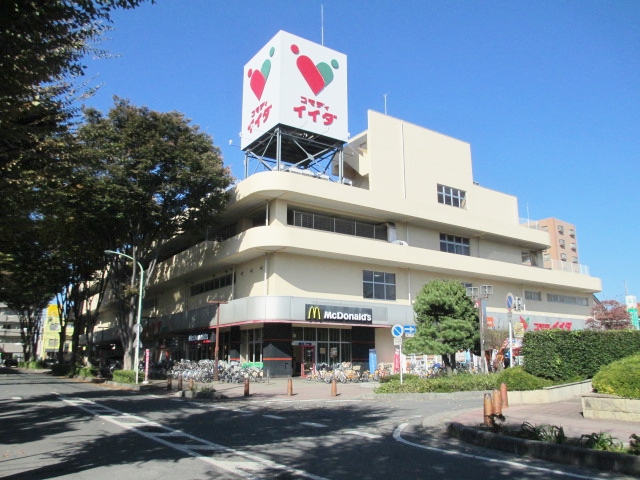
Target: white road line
[(362, 434), (251, 466), (397, 435), (275, 417), (311, 424)]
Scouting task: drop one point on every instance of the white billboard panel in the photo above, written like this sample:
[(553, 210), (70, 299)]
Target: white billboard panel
[(294, 82)]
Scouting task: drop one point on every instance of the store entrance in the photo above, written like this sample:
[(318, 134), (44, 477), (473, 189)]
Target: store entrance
[(308, 357)]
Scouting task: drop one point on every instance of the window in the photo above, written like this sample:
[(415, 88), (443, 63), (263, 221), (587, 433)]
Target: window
[(561, 242), (337, 225), (563, 257), (454, 244), (561, 229), (573, 247), (379, 285), (53, 342), (574, 259), (529, 258), (214, 284), (582, 301), (572, 232), (452, 196), (531, 295)]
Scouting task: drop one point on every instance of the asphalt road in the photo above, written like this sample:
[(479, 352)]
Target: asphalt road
[(58, 428)]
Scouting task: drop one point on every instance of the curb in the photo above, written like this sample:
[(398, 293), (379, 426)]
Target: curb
[(553, 452)]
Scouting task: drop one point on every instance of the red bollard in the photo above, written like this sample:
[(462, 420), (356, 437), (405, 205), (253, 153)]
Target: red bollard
[(505, 398), (488, 410), (289, 387), (246, 387), (302, 375)]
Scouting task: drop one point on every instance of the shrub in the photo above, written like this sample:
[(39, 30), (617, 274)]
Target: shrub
[(126, 376), (519, 380), (445, 384), (86, 372), (619, 378)]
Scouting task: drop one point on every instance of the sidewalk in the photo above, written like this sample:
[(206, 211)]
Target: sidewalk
[(278, 388), (566, 414)]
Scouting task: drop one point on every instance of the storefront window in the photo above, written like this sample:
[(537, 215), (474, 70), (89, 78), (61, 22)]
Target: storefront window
[(251, 348)]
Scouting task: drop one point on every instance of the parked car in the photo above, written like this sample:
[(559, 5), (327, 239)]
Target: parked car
[(10, 362)]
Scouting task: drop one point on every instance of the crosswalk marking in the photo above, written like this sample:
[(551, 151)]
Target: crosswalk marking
[(244, 464)]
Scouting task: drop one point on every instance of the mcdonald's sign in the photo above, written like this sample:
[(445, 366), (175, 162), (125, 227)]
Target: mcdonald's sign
[(313, 312), (337, 314)]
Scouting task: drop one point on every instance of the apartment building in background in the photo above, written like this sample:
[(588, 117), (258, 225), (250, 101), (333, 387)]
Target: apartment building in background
[(10, 339), (563, 249)]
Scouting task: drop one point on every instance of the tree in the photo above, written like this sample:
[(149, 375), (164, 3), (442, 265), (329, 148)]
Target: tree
[(609, 315), (446, 321), (43, 47), (158, 177)]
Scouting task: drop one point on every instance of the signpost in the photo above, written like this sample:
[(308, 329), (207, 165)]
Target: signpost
[(510, 302), (397, 330)]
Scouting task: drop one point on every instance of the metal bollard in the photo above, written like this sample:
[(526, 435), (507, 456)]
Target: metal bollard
[(191, 384), (246, 387), (169, 381), (334, 388), (505, 398), (180, 382), (289, 387), (488, 410), (497, 402)]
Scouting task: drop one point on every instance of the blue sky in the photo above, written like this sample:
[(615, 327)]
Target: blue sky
[(547, 93)]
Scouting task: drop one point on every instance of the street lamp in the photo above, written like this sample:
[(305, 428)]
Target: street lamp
[(140, 295), (481, 298), (216, 348)]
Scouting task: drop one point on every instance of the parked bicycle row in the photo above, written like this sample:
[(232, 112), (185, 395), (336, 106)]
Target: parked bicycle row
[(203, 371)]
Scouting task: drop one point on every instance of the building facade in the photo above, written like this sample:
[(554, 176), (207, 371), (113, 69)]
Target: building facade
[(309, 269), (50, 336), (562, 253), (10, 339)]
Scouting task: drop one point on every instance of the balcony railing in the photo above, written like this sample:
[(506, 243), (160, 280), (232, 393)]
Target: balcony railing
[(567, 266)]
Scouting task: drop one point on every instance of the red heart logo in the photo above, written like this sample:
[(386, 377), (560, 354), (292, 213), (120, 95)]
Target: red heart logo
[(257, 82), (311, 74)]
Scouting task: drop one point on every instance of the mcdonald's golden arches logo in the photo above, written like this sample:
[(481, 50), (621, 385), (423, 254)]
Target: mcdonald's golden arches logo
[(313, 313)]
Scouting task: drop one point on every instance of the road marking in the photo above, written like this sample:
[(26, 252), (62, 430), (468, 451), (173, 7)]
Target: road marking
[(362, 434), (275, 417), (311, 424), (397, 435), (249, 465)]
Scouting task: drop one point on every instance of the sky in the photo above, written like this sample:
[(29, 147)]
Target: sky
[(547, 93)]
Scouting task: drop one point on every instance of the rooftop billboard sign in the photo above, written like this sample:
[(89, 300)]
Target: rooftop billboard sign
[(298, 83)]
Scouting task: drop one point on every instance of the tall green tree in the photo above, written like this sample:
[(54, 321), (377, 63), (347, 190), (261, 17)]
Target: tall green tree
[(446, 321), (159, 177), (44, 44)]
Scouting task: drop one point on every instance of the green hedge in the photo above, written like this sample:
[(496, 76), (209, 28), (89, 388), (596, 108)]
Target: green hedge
[(620, 378), (562, 355)]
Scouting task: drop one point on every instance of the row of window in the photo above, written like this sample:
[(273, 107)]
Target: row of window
[(382, 286), (213, 284), (337, 225)]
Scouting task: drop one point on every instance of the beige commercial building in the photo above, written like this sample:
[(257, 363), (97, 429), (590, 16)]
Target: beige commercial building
[(318, 266)]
